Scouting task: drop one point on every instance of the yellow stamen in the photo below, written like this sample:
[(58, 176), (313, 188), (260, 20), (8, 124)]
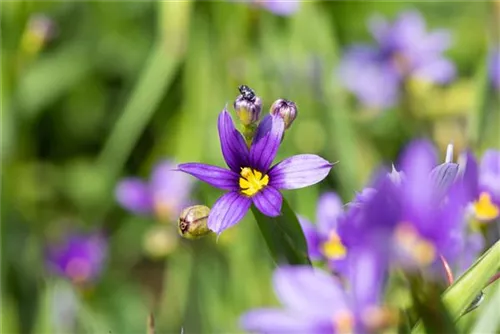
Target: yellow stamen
[(333, 248), (484, 209), (379, 318), (78, 270), (252, 181), (421, 250), (343, 322)]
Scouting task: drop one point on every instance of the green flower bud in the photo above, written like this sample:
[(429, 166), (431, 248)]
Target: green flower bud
[(247, 106), (193, 222), (286, 110)]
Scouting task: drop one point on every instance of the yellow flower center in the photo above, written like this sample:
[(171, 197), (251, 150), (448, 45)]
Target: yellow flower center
[(421, 250), (78, 270), (333, 248), (343, 322), (252, 181), (484, 209)]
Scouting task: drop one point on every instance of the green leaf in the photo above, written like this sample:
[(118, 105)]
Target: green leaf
[(489, 321), (284, 236), (460, 294)]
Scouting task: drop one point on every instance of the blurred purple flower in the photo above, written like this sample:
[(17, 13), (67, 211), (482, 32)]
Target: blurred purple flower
[(413, 220), (250, 178), (483, 185), (404, 49), (470, 248), (166, 194), (280, 7), (494, 66), (315, 302), (323, 241), (79, 257)]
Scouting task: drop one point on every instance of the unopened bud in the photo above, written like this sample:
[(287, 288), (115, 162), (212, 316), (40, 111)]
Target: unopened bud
[(193, 222), (247, 106), (286, 110)]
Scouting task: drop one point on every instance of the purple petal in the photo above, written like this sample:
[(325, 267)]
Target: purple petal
[(494, 68), (233, 145), (406, 31), (418, 160), (262, 152), (439, 70), (313, 239), (170, 189), (379, 27), (227, 211), (299, 171), (309, 292), (367, 272), (330, 207), (264, 127), (276, 321), (436, 42), (281, 7), (215, 176), (442, 177), (380, 85), (489, 174), (134, 195), (470, 177), (268, 201)]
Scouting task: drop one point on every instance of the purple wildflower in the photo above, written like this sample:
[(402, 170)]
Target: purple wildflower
[(323, 241), (315, 302), (250, 179), (80, 257), (404, 49), (413, 220), (483, 185), (280, 7), (166, 194)]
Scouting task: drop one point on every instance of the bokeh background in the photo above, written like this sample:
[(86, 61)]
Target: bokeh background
[(96, 91)]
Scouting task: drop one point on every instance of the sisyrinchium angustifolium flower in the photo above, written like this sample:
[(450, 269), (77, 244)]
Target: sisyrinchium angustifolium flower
[(79, 257), (323, 240), (403, 50), (165, 195), (250, 177), (482, 184), (315, 302), (412, 216)]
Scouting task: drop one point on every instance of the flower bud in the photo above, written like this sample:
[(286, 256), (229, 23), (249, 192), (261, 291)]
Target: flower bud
[(247, 106), (286, 110), (193, 222)]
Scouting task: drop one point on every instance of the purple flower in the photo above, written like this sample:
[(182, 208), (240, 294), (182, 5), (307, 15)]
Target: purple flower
[(280, 7), (413, 220), (483, 185), (431, 206), (250, 178), (403, 50), (323, 240), (79, 257), (166, 194), (315, 302), (494, 66)]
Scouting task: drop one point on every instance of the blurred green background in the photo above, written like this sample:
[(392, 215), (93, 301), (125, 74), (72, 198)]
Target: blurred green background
[(116, 87)]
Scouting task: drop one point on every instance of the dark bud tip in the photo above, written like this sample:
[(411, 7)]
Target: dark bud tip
[(193, 221), (285, 109), (247, 106)]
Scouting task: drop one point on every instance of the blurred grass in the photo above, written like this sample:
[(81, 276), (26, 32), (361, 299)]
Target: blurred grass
[(122, 85)]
